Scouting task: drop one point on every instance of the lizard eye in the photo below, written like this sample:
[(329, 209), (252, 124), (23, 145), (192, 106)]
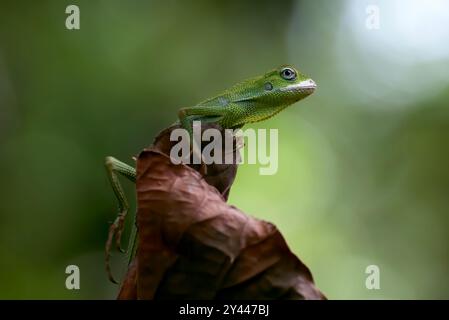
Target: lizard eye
[(288, 74)]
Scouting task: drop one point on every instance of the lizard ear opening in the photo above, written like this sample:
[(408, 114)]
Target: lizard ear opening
[(268, 86)]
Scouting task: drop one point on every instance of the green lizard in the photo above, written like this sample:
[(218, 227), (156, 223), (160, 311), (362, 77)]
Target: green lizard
[(252, 100)]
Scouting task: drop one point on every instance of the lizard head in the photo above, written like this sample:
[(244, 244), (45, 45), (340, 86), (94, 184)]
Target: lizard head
[(285, 85), (277, 89), (262, 97)]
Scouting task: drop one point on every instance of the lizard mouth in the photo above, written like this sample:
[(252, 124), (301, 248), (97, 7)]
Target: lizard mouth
[(306, 86)]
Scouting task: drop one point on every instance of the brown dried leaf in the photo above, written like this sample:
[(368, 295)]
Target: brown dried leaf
[(128, 290), (221, 176), (192, 245)]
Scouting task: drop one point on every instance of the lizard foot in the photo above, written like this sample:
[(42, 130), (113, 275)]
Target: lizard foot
[(115, 231), (203, 169)]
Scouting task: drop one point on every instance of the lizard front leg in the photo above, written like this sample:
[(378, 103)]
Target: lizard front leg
[(209, 114)]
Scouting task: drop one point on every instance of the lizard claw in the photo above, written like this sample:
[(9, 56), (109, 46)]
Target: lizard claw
[(203, 169), (115, 231), (196, 152), (119, 226), (108, 258), (239, 143)]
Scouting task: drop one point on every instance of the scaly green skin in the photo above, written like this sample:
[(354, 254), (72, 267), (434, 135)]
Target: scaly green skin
[(252, 100)]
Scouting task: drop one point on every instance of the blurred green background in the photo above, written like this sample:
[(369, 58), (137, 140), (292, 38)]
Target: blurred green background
[(363, 163)]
